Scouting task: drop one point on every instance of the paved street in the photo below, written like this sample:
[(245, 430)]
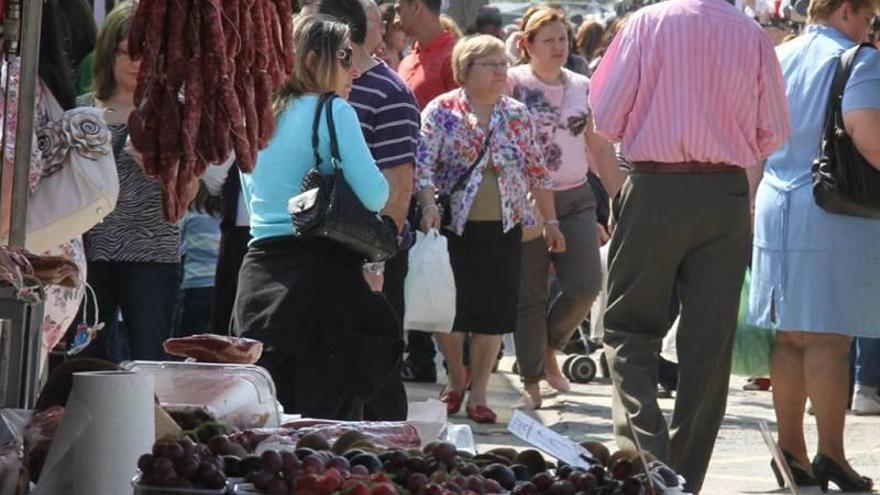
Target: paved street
[(741, 460)]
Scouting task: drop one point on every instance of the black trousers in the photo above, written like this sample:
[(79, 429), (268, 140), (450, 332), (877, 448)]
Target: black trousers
[(390, 402), (233, 247)]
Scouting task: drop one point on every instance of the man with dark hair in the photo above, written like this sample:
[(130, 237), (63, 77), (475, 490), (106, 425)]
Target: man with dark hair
[(389, 118), (489, 22), (428, 72), (428, 69)]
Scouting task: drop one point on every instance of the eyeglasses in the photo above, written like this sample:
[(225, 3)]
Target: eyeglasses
[(344, 57), (495, 66)]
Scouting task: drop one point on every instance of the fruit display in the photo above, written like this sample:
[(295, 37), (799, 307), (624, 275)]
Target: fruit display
[(353, 465)]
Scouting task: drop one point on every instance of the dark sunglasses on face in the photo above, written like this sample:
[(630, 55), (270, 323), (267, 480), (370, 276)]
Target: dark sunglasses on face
[(344, 57)]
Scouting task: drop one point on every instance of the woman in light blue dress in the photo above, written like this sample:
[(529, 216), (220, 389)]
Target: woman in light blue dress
[(816, 275)]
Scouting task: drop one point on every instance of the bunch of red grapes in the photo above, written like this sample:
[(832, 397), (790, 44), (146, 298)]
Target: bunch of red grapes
[(182, 464)]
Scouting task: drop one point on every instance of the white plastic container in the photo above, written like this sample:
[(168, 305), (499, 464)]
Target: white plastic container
[(239, 395)]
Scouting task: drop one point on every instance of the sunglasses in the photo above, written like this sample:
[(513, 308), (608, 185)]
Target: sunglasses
[(344, 57)]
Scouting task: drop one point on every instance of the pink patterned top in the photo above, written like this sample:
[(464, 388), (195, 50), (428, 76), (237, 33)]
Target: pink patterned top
[(452, 139)]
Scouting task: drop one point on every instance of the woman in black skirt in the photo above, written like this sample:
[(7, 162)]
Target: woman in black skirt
[(478, 147), (329, 341)]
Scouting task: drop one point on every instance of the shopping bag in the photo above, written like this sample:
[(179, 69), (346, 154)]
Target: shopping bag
[(429, 289), (752, 345)]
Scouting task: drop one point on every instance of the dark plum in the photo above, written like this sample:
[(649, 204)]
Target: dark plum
[(419, 465), (587, 483), (525, 488), (469, 469), (277, 487), (492, 486), (303, 452), (340, 463), (163, 464), (289, 460), (272, 460), (444, 452), (369, 461), (219, 444), (543, 481), (360, 471), (416, 481), (452, 487), (500, 473), (433, 489), (563, 471), (260, 478), (621, 469), (145, 463), (232, 466), (188, 467), (314, 463), (475, 484), (562, 487), (521, 472)]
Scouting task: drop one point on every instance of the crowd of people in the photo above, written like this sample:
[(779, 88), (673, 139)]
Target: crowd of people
[(679, 134)]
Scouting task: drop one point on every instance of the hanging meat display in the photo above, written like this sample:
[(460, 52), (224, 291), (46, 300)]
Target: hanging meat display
[(208, 71)]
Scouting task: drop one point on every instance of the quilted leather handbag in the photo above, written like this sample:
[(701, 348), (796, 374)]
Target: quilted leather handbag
[(328, 207), (843, 181)]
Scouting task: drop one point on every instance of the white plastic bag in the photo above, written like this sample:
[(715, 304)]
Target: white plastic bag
[(429, 289)]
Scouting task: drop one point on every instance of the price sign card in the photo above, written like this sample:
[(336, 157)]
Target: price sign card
[(539, 436)]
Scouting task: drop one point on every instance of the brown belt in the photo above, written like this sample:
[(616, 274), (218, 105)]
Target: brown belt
[(683, 168)]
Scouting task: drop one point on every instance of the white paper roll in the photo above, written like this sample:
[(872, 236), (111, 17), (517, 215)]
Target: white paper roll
[(122, 428)]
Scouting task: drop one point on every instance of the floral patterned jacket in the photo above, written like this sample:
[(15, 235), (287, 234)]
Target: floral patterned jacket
[(452, 139)]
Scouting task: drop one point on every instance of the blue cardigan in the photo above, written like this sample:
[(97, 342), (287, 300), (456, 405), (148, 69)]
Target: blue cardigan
[(283, 164)]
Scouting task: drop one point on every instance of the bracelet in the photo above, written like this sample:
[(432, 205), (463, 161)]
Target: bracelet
[(551, 222), (428, 207), (376, 268)]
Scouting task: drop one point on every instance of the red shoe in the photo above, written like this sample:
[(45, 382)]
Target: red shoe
[(481, 414), (755, 383), (453, 401)]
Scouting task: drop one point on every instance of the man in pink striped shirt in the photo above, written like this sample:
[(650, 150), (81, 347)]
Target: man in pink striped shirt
[(694, 91)]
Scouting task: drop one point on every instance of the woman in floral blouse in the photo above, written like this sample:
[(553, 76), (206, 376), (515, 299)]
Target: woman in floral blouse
[(487, 210)]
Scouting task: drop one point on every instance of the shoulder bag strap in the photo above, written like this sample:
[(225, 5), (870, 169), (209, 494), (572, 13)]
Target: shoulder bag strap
[(834, 112), (335, 159), (315, 126), (464, 178)]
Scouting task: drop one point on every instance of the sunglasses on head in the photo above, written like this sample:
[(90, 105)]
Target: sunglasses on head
[(344, 57)]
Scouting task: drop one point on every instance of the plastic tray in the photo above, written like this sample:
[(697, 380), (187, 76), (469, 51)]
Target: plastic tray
[(239, 395)]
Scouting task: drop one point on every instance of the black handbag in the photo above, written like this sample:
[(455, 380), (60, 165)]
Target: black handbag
[(328, 207), (843, 181), (444, 201)]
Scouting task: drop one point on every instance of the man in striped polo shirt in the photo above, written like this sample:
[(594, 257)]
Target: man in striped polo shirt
[(694, 91), (389, 118)]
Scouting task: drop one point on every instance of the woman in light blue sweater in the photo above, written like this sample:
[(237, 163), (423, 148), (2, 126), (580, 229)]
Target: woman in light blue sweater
[(328, 340)]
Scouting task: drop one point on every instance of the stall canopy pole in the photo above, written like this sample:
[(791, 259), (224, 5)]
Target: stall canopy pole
[(30, 57)]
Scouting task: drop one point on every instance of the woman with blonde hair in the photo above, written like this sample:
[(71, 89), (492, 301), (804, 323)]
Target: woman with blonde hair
[(816, 274), (477, 148), (305, 297), (557, 100)]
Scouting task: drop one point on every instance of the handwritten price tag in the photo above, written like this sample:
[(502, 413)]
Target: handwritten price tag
[(539, 436)]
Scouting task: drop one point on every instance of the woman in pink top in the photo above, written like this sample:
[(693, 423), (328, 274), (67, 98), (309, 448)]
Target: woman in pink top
[(558, 102)]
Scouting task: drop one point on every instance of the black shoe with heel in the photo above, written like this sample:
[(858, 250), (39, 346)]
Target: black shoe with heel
[(801, 475), (827, 470)]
